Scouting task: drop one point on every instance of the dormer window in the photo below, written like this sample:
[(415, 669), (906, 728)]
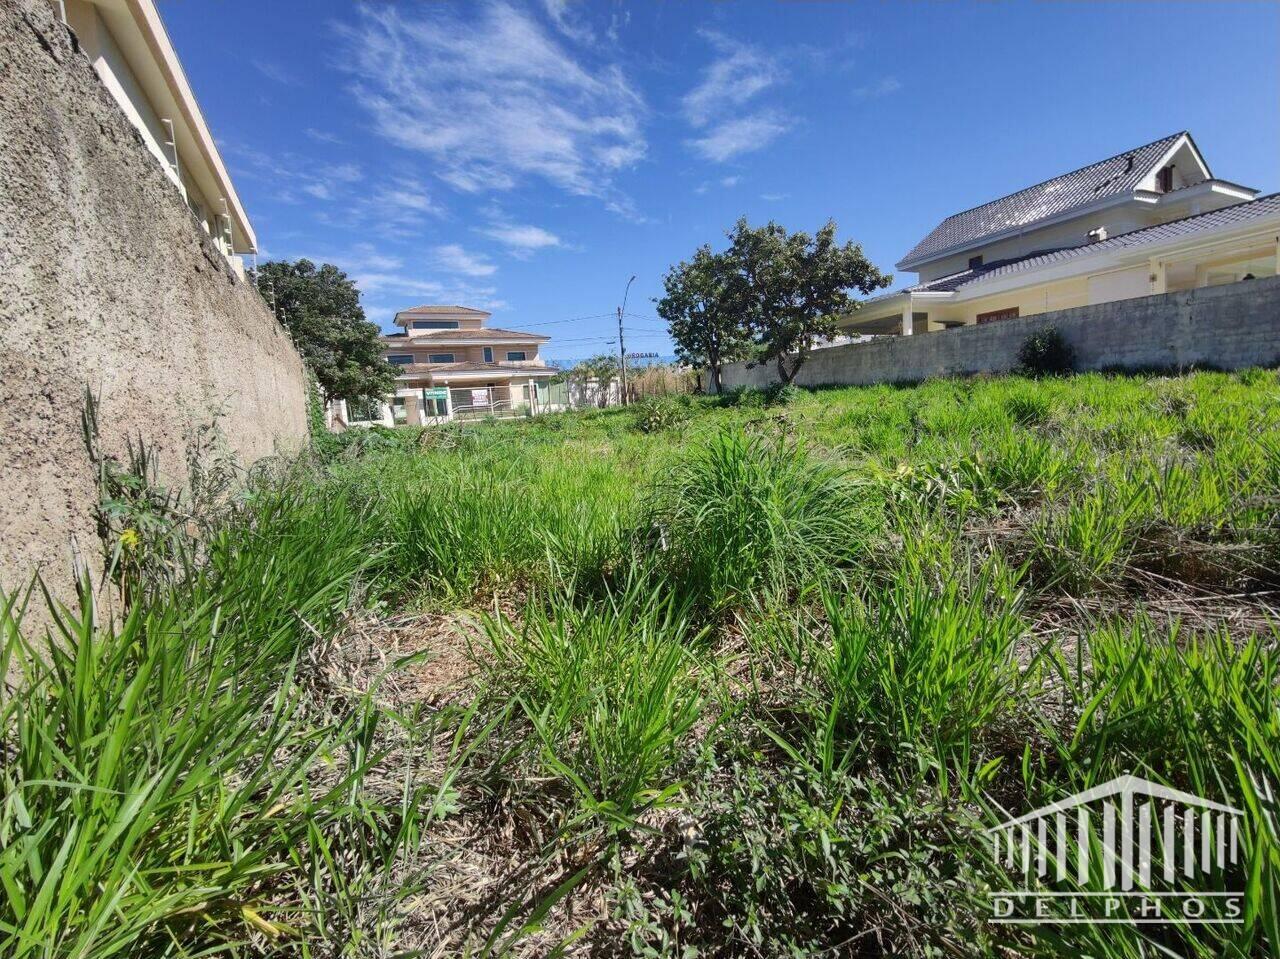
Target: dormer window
[(975, 262), (435, 324), (1164, 180)]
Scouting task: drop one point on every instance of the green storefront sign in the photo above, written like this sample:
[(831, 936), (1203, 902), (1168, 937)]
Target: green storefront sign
[(435, 392)]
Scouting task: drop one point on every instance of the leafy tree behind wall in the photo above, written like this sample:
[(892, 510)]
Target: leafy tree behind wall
[(595, 375), (320, 307), (795, 286), (704, 309)]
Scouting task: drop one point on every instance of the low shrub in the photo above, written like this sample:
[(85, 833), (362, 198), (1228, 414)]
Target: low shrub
[(660, 413), (780, 394), (1046, 353)]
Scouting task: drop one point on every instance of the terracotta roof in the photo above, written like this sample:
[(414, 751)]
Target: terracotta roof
[(476, 368), (436, 309), (1107, 178), (491, 333), (1227, 216)]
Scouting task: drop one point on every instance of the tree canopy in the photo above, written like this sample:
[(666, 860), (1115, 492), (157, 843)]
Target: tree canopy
[(771, 293), (320, 307), (797, 286), (703, 306)]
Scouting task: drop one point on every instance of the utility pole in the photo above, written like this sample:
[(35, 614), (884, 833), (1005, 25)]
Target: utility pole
[(622, 347)]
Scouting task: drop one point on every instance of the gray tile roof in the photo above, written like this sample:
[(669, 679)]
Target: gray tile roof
[(1187, 226), (1111, 177)]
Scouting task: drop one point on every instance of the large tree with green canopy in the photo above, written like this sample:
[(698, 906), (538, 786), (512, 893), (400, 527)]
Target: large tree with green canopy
[(320, 307)]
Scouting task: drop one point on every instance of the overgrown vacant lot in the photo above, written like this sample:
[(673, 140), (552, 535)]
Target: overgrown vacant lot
[(725, 678)]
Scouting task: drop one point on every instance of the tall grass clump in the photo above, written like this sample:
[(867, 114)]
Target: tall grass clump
[(160, 769), (610, 688), (743, 515), (910, 670)]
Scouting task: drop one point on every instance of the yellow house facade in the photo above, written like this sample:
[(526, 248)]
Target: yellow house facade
[(1151, 220), (452, 365)]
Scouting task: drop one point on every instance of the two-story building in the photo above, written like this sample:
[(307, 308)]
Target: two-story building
[(130, 50), (452, 366), (1150, 220)]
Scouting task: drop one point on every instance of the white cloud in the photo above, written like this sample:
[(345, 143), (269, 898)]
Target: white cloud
[(275, 72), (558, 12), (881, 88), (454, 259), (744, 134), (774, 197), (737, 75), (291, 174), (729, 182), (322, 136), (522, 239), (405, 194), (718, 105), (494, 99), (398, 208)]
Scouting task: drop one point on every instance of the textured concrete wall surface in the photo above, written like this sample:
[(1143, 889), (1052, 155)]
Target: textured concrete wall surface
[(1226, 327), (106, 282)]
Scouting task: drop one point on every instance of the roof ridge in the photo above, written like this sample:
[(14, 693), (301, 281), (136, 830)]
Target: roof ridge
[(1081, 169)]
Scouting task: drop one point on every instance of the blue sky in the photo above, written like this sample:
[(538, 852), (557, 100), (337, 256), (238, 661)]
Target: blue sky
[(529, 157)]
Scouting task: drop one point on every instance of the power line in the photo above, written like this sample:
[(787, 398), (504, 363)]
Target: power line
[(572, 319)]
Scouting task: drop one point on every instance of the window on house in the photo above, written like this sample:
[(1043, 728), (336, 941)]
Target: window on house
[(440, 358), (1164, 179), (399, 412), (488, 354), (975, 262), (400, 359), (435, 324), (994, 315), (515, 356)]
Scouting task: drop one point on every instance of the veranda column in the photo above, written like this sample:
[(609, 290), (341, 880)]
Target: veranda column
[(908, 327)]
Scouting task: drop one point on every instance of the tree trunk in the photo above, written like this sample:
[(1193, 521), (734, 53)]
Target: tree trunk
[(785, 377)]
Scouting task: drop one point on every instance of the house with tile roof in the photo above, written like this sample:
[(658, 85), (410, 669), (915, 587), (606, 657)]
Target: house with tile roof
[(1151, 220), (452, 365)]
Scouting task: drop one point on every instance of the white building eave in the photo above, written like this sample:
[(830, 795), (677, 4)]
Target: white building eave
[(1263, 232), (138, 29)]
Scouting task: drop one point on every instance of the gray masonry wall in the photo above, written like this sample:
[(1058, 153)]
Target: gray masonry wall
[(107, 282), (1227, 327)]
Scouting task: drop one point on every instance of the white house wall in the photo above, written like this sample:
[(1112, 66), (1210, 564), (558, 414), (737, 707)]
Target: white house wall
[(1120, 284)]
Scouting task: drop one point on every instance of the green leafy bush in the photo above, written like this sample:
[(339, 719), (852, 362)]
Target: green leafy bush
[(1046, 353), (660, 413)]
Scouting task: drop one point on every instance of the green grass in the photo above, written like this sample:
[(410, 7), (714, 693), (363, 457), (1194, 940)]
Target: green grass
[(750, 675)]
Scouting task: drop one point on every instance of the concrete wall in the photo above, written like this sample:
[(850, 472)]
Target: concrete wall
[(1227, 327), (107, 281)]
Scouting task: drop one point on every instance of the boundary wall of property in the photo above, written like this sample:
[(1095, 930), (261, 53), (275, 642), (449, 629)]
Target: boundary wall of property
[(108, 283), (1224, 327)]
